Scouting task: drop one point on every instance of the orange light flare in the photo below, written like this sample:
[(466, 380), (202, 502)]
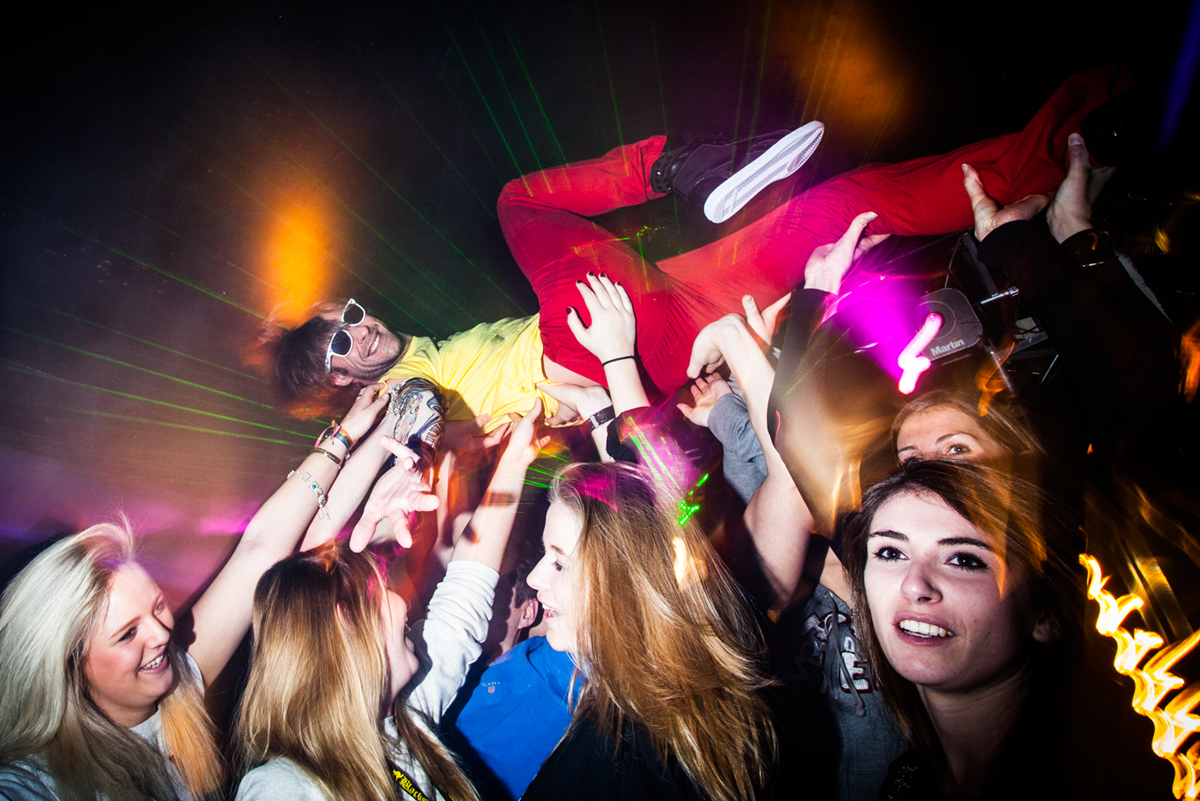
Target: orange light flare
[(1132, 647), (1174, 723), (1189, 357), (296, 252), (838, 60), (1154, 681), (1113, 611), (1186, 784), (988, 379)]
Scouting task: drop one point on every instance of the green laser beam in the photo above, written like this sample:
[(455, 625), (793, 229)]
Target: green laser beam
[(346, 207), (479, 91), (202, 249), (135, 339), (135, 259), (416, 120), (462, 113), (536, 98), (511, 100), (147, 421), (40, 374), (111, 360), (301, 233), (391, 188), (191, 455), (612, 88)]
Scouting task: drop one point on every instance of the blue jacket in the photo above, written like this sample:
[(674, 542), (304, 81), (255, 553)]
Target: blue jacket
[(513, 718)]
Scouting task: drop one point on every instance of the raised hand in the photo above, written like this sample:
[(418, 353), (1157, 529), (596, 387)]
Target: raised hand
[(468, 441), (990, 215), (523, 443), (708, 349), (1071, 210), (399, 493), (706, 391), (575, 402), (828, 264), (765, 322), (613, 332), (364, 411)]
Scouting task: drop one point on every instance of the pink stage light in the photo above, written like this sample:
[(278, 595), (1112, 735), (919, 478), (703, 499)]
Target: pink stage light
[(910, 361)]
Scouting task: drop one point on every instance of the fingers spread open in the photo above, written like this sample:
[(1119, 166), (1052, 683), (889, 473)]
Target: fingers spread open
[(598, 291), (624, 296), (576, 325)]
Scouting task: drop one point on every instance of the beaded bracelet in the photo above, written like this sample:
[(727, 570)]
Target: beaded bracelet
[(343, 438), (313, 487)]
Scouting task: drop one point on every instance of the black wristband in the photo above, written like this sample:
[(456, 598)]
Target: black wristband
[(605, 415), (618, 359)]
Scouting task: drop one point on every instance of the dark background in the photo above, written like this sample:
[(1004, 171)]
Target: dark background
[(171, 177)]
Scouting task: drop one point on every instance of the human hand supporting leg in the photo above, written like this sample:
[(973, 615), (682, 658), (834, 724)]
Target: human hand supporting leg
[(1071, 210)]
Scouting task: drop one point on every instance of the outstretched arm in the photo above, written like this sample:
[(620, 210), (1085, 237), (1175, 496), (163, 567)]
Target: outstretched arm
[(414, 418), (1116, 343), (221, 617), (776, 518), (486, 536), (611, 338)]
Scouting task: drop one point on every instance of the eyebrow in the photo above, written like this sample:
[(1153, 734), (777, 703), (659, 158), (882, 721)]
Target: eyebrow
[(117, 632), (951, 541), (940, 440)]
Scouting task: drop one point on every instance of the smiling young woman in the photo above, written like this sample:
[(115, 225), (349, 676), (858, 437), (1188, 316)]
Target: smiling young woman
[(92, 689), (669, 707), (330, 656), (969, 603), (97, 701)]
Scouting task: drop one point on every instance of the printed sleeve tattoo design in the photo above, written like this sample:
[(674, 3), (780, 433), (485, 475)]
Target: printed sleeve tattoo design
[(420, 410)]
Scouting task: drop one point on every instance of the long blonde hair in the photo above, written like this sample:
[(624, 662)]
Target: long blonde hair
[(319, 677), (47, 617), (664, 634)]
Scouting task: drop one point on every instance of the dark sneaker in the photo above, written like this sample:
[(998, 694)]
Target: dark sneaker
[(703, 171)]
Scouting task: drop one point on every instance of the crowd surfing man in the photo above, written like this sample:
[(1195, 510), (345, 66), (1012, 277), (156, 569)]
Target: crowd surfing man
[(498, 368)]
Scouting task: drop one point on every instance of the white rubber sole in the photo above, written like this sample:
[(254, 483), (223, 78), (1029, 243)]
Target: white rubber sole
[(784, 158)]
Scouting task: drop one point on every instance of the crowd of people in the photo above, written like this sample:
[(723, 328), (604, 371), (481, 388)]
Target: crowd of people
[(909, 639)]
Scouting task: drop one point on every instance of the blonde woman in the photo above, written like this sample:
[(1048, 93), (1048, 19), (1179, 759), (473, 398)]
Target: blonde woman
[(96, 699), (669, 707), (338, 704)]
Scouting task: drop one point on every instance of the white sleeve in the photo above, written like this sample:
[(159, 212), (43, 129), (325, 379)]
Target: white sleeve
[(279, 780), (450, 638)]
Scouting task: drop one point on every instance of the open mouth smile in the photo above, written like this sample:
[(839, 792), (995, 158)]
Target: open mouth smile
[(918, 628), (154, 665)]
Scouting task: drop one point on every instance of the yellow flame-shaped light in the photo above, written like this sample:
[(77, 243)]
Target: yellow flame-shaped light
[(1174, 723)]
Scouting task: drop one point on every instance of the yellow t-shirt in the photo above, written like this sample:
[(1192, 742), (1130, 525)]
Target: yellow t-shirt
[(494, 368)]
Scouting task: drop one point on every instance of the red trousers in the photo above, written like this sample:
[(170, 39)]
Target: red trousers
[(543, 216)]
